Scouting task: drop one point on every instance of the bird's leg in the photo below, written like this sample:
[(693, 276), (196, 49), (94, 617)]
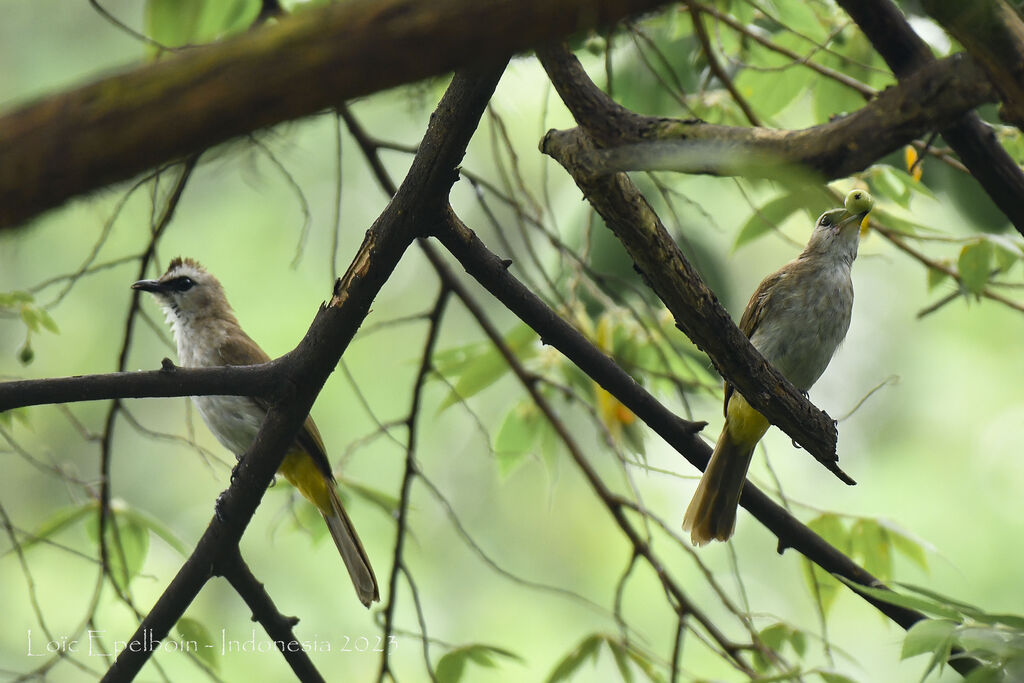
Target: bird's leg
[(218, 507), (234, 471)]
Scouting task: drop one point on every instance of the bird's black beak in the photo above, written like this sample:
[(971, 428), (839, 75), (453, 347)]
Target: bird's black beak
[(154, 286)]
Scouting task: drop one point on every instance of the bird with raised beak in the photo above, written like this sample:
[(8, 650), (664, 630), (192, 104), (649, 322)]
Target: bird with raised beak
[(208, 334), (796, 319)]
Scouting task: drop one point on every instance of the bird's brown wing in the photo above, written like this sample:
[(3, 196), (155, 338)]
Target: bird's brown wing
[(240, 349), (753, 314)]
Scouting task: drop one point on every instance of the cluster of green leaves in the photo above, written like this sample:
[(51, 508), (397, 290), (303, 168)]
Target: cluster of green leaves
[(892, 188), (35, 318), (871, 543), (623, 652), (980, 261), (771, 80), (961, 631), (643, 350), (779, 637), (452, 666), (126, 535), (181, 23), (176, 23), (628, 658), (981, 258)]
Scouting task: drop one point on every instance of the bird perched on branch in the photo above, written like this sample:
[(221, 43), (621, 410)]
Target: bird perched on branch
[(208, 334), (796, 319)]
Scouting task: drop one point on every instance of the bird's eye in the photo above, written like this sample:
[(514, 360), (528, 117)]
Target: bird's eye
[(826, 221), (182, 284)]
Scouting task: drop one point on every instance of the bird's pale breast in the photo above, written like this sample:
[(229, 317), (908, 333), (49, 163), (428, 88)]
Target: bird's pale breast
[(805, 320), (234, 420)]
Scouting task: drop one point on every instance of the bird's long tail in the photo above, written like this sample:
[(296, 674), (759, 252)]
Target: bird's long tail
[(712, 512), (351, 549), (300, 469)]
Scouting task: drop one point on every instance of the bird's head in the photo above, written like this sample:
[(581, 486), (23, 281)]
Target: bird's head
[(838, 230), (188, 293)]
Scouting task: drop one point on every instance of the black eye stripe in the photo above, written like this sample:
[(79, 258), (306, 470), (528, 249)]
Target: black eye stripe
[(180, 284)]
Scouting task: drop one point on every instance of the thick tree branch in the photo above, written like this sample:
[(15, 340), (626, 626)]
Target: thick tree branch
[(932, 98), (312, 361), (696, 309), (256, 380), (232, 567), (971, 138), (110, 130)]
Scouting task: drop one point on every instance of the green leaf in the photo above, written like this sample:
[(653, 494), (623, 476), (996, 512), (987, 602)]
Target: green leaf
[(801, 18), (7, 417), (517, 437), (47, 321), (831, 98), (907, 546), (974, 266), (15, 299), (833, 677), (871, 543), (381, 499), (1007, 251), (998, 641), (572, 661), (619, 653), (769, 217), (899, 223), (633, 434), (901, 600), (30, 317), (451, 667), (127, 543), (886, 182), (173, 23), (157, 527), (1014, 621), (990, 673), (482, 369), (962, 608), (57, 522), (518, 431), (644, 664), (775, 638), (830, 527), (225, 17), (777, 83), (928, 635), (935, 276), (197, 638)]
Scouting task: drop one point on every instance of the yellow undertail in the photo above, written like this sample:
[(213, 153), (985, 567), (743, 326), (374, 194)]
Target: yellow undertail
[(300, 470), (711, 514)]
